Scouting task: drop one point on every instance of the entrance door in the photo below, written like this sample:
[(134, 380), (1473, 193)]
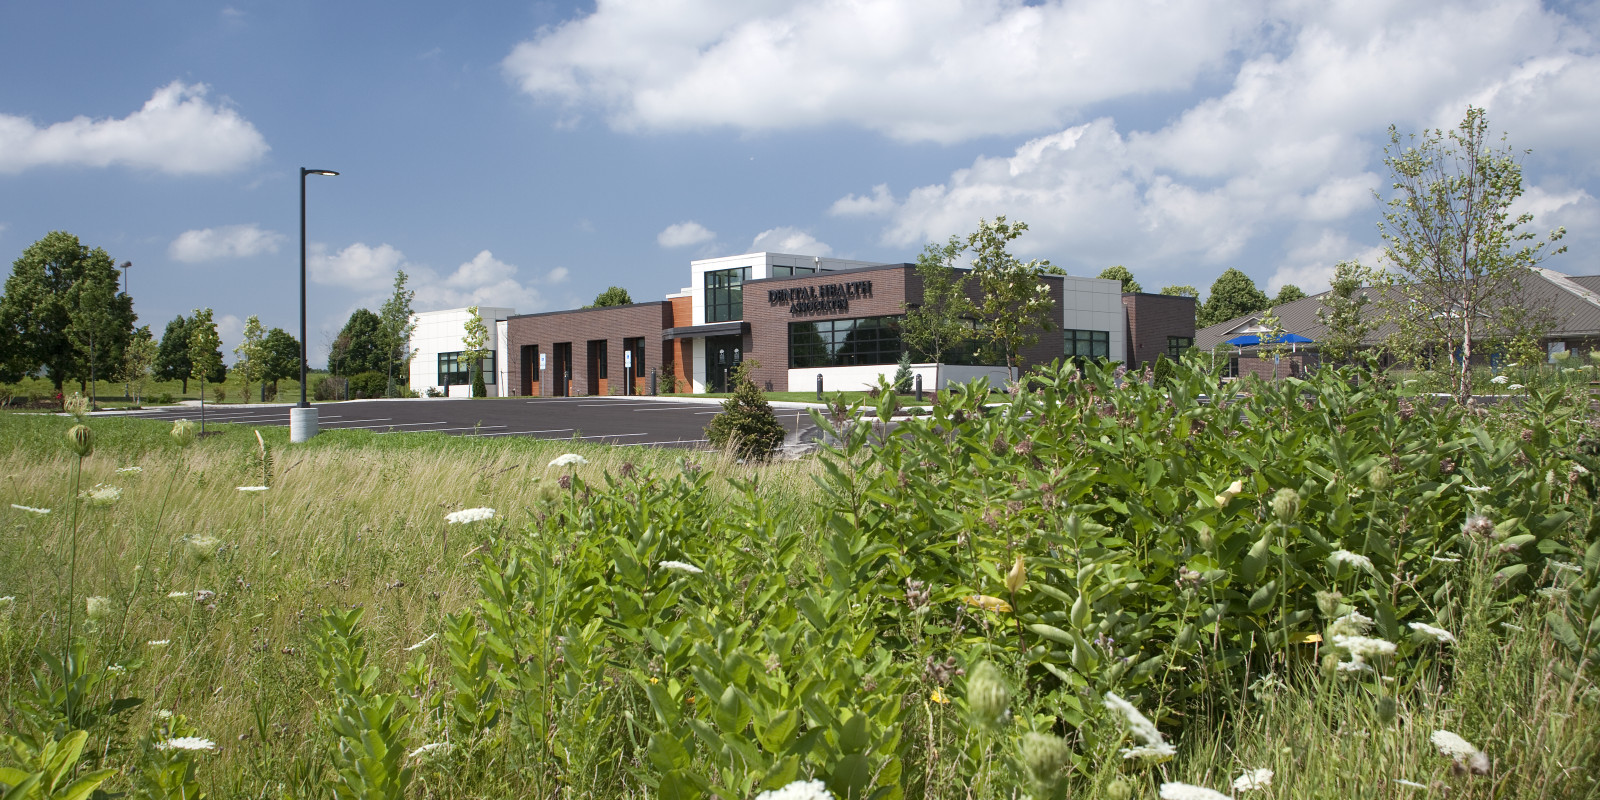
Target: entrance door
[(561, 375), (530, 370), (723, 353), (597, 368)]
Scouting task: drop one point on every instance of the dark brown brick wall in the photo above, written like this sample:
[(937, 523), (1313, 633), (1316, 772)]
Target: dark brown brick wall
[(1151, 319), (580, 327), (768, 341)]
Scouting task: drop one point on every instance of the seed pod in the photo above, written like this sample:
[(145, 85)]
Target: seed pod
[(1118, 789), (80, 440), (183, 432), (1286, 505), (1045, 757), (1378, 478), (987, 695)]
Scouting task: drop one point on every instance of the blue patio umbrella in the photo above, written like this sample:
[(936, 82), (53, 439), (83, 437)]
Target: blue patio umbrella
[(1253, 339)]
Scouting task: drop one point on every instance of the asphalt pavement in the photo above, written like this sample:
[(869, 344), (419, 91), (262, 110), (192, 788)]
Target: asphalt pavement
[(621, 421)]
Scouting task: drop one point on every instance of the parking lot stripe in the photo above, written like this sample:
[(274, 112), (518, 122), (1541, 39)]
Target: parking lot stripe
[(647, 444), (438, 430), (514, 433)]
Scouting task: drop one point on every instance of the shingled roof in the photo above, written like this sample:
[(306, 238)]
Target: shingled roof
[(1573, 303)]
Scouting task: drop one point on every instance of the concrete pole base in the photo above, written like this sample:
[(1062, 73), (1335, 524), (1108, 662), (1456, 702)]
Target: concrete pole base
[(302, 424)]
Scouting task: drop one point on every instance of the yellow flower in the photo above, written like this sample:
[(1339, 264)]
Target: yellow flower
[(655, 680), (986, 602), (938, 697)]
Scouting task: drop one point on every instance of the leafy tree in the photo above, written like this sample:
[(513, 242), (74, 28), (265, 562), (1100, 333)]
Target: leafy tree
[(205, 354), (397, 326), (137, 359), (172, 359), (1459, 254), (1272, 344), (360, 346), (1342, 313), (475, 348), (1288, 294), (1233, 294), (250, 362), (612, 296), (1121, 273), (747, 423), (61, 296), (1182, 290), (283, 357), (942, 322), (1016, 304)]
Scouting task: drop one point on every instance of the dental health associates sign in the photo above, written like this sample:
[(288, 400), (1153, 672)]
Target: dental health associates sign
[(829, 298)]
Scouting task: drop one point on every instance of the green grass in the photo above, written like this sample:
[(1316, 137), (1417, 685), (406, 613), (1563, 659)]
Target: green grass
[(110, 394)]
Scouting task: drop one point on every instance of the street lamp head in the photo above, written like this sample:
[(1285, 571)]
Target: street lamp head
[(304, 171)]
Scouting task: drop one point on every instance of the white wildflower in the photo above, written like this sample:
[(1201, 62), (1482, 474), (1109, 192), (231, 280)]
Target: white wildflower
[(1443, 560), (429, 748), (1340, 557), (1159, 752), (1155, 747), (1184, 791), (467, 515), (1562, 566), (419, 645), (1364, 647), (681, 566), (31, 509), (1508, 626), (1254, 779), (1350, 624), (1475, 489), (1553, 592), (187, 743), (1355, 665), (799, 790), (117, 669), (253, 488), (1516, 387), (98, 607), (177, 595), (130, 469), (569, 459), (162, 713), (1500, 380), (202, 547), (159, 642), (1412, 784), (1579, 468), (102, 495), (1437, 634), (1461, 751)]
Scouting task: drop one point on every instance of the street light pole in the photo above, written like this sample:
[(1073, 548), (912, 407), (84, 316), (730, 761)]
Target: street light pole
[(127, 387), (303, 418)]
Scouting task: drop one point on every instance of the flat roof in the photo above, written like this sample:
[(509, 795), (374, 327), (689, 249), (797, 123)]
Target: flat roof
[(594, 308)]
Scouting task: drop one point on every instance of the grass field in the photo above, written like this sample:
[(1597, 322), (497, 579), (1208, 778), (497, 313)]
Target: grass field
[(643, 624)]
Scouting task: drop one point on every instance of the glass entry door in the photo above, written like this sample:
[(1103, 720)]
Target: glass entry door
[(723, 353)]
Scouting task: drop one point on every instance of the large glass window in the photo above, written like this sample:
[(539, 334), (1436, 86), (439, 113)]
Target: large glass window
[(1087, 344), (844, 342), (453, 369), (1177, 344), (785, 272), (725, 294)]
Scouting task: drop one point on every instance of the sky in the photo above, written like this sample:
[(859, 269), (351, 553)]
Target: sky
[(530, 154)]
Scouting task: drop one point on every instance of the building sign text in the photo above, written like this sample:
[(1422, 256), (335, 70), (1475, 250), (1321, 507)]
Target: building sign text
[(828, 298)]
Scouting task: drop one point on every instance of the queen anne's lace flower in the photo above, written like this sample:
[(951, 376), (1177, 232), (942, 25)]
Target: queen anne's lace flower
[(31, 509), (187, 743), (1500, 380), (1364, 647), (1184, 791), (103, 495), (253, 488), (1515, 387), (681, 566), (569, 459), (159, 642), (1462, 751), (1437, 634), (799, 790), (130, 469), (1254, 779), (467, 515), (1154, 747), (1351, 624), (1340, 557), (429, 748)]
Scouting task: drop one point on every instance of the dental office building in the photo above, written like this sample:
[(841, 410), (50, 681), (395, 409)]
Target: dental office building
[(801, 317)]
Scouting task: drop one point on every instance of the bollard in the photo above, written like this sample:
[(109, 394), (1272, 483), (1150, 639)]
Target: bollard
[(302, 424), (919, 387), (819, 387), (652, 381)]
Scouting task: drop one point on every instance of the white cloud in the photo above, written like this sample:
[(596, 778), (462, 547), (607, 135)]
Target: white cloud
[(1310, 265), (177, 132), (357, 266), (684, 234), (916, 70), (557, 276), (228, 241), (482, 280), (789, 240), (881, 202)]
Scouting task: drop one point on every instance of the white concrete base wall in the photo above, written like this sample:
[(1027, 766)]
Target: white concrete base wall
[(440, 332), (862, 379)]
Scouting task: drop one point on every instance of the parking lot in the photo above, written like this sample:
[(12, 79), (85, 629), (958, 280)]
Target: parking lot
[(621, 421)]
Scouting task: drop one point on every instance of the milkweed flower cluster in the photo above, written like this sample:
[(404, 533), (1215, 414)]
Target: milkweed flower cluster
[(1437, 634), (799, 790), (1184, 791), (1254, 779), (1346, 558), (467, 515), (568, 459), (1154, 746), (31, 510), (1461, 751), (189, 743), (681, 566)]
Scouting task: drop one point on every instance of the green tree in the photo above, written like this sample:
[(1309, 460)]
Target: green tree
[(360, 346), (747, 423), (1343, 313), (612, 296), (1016, 304), (1459, 254), (137, 359), (1233, 294), (1272, 344), (1121, 273), (60, 296), (250, 362), (283, 357), (172, 358), (1288, 294), (475, 348), (396, 316), (1182, 290), (943, 320), (205, 354)]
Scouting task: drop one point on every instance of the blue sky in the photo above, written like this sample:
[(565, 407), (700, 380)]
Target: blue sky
[(531, 154)]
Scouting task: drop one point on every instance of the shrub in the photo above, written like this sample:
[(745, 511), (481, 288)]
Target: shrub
[(746, 423), (1164, 371), (367, 385), (902, 374), (478, 388), (165, 398), (220, 395), (326, 389)]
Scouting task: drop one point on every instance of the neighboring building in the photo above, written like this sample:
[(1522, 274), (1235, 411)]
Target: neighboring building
[(799, 317), (436, 348), (1570, 306)]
